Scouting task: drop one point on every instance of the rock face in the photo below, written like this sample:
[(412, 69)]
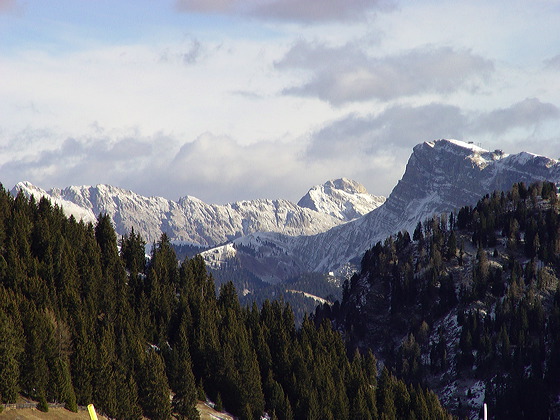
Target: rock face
[(446, 174), (441, 176), (193, 221)]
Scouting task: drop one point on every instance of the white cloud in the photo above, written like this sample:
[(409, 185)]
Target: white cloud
[(89, 160), (371, 148), (346, 74), (391, 133), (150, 88), (529, 113)]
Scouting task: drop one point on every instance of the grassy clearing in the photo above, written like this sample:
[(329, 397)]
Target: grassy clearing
[(52, 414), (206, 413)]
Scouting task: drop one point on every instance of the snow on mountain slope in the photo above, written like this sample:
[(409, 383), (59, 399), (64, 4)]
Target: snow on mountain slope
[(440, 176), (190, 219), (342, 198), (78, 211)]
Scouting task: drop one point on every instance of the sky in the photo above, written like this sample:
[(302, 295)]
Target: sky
[(229, 100)]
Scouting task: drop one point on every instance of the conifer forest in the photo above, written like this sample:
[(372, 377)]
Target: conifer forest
[(86, 318)]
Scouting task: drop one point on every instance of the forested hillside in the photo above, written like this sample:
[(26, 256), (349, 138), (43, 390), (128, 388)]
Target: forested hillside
[(84, 318), (470, 305)]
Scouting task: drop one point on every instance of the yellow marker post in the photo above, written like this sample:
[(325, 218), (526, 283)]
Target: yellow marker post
[(92, 413)]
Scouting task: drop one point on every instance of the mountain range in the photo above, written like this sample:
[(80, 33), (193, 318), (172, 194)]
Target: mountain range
[(193, 221), (332, 225), (440, 176)]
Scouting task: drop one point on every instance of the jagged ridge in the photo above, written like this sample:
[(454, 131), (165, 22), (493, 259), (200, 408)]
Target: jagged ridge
[(194, 221)]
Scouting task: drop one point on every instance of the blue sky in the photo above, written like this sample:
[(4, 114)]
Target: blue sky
[(239, 99)]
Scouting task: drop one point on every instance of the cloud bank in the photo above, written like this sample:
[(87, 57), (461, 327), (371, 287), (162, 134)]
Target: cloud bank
[(239, 99), (371, 148), (345, 74), (309, 11)]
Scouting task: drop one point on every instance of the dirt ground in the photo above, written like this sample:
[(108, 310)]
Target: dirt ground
[(208, 413)]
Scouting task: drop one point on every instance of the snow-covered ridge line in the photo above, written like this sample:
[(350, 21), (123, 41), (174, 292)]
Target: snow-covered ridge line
[(190, 220)]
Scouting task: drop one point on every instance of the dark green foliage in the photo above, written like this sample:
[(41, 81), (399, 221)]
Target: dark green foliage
[(184, 400), (128, 407), (10, 349), (154, 388), (43, 405), (218, 405)]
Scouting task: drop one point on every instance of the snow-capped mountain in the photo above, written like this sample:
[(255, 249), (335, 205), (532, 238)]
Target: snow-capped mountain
[(193, 221), (276, 239), (440, 176), (342, 198)]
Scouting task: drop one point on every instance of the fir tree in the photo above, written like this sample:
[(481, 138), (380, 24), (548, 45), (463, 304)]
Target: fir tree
[(9, 354), (185, 398), (154, 388)]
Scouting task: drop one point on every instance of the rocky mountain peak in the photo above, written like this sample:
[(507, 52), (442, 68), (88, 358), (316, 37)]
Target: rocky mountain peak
[(440, 176), (342, 198), (347, 185)]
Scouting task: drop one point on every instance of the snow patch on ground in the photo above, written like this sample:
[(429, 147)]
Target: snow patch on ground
[(476, 399), (219, 256)]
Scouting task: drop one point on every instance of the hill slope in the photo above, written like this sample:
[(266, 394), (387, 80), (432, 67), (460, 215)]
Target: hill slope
[(469, 305), (84, 321)]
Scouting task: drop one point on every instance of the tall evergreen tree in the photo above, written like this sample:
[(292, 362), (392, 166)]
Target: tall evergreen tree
[(154, 387), (9, 353), (185, 398)]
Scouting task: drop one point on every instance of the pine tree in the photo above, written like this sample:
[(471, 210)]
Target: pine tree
[(218, 404), (133, 253), (65, 389), (386, 396), (359, 409), (35, 373), (83, 364), (128, 407), (43, 405), (452, 245), (417, 235), (162, 283), (105, 390), (185, 398), (154, 388), (312, 409), (9, 354)]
